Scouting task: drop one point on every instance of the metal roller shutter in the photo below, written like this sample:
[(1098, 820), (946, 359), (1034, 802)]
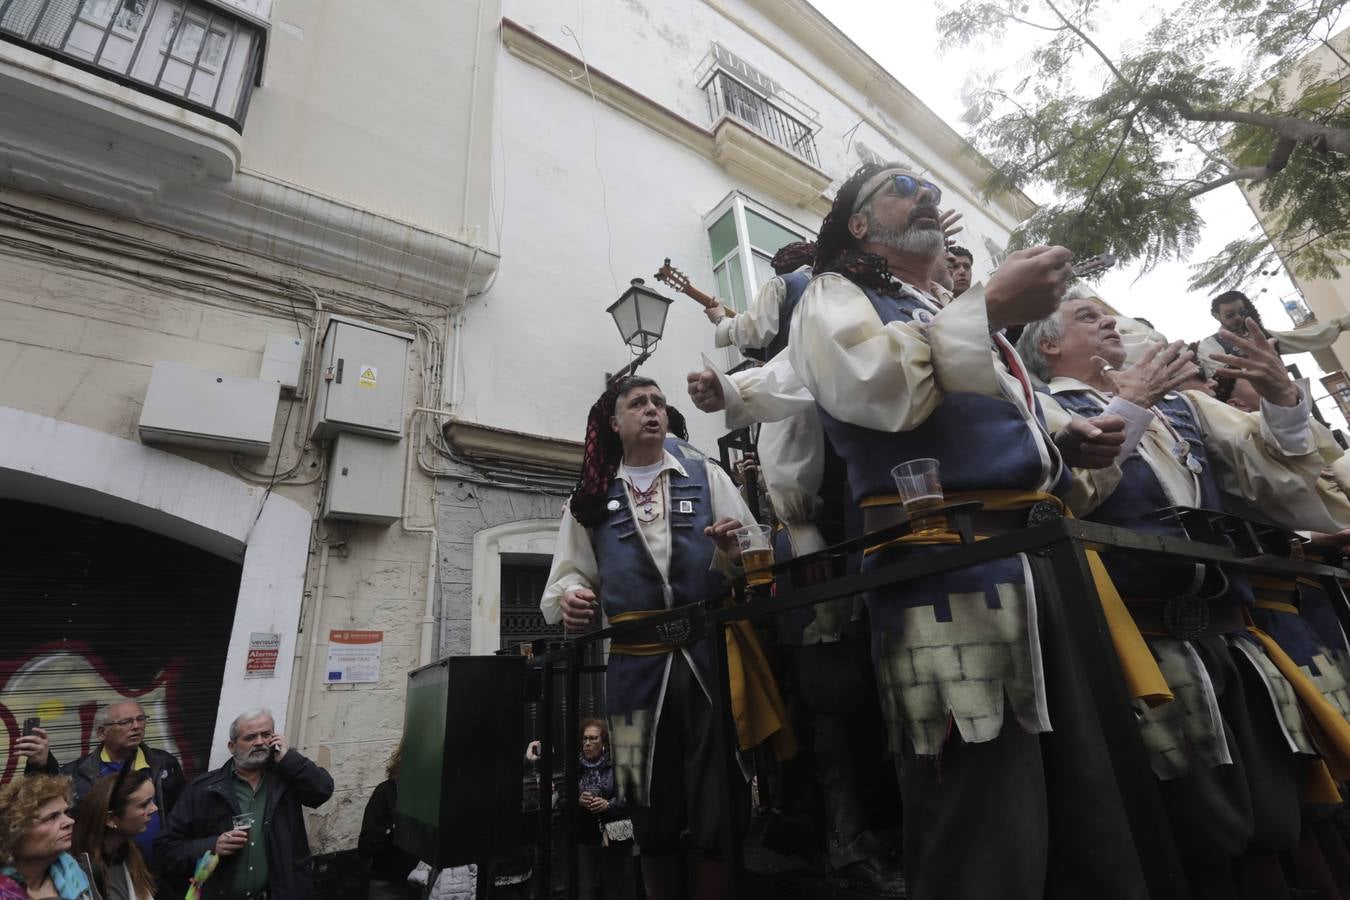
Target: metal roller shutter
[(95, 611)]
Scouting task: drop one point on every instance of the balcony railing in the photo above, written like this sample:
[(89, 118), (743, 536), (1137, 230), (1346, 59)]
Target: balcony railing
[(728, 97), (196, 55)]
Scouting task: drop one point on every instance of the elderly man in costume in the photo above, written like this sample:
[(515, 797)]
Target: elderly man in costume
[(898, 375), (650, 528), (1231, 750)]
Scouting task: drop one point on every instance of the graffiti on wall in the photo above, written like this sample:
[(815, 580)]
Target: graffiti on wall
[(65, 685)]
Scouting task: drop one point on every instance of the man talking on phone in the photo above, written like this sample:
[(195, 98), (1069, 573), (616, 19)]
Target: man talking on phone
[(248, 813)]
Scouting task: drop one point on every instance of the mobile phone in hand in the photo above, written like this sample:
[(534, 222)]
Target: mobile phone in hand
[(29, 724)]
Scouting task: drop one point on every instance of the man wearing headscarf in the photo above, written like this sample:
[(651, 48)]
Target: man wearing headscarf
[(761, 332), (650, 527), (1007, 786)]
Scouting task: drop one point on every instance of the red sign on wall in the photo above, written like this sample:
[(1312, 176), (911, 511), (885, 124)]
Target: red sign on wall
[(262, 655)]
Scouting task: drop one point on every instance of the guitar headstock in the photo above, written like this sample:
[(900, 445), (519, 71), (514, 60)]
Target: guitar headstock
[(1094, 265), (673, 277)]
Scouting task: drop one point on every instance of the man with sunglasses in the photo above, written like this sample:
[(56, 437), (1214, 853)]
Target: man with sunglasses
[(120, 729), (1006, 779)]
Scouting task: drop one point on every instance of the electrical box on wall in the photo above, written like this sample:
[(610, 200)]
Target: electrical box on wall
[(363, 369), (196, 408), (365, 479), (282, 359)]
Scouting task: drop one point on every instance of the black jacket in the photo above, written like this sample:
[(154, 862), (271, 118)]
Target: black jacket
[(206, 809), (376, 844), (165, 772)]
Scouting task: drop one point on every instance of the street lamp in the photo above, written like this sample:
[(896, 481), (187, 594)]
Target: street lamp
[(640, 314)]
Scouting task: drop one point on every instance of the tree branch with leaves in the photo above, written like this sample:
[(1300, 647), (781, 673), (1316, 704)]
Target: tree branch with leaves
[(1219, 92)]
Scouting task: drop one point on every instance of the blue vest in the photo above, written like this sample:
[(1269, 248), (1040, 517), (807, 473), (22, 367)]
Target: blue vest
[(982, 443), (630, 581), (796, 283), (1139, 494)]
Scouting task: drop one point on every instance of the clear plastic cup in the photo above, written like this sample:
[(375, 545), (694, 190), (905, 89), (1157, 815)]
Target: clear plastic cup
[(242, 822), (920, 489), (756, 553)]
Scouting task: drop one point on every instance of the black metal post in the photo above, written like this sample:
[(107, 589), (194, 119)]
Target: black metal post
[(1339, 603), (483, 883), (545, 781), (571, 768), (724, 743), (628, 369), (1076, 603)]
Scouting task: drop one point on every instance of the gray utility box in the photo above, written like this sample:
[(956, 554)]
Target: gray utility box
[(197, 408), (361, 389), (365, 479)]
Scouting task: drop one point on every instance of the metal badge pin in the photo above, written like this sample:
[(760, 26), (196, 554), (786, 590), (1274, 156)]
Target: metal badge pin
[(612, 506)]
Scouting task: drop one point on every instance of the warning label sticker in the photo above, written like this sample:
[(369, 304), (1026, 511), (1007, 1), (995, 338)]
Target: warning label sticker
[(368, 377)]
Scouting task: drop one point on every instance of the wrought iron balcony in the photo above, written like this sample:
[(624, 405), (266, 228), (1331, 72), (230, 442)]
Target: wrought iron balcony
[(196, 55), (729, 97)]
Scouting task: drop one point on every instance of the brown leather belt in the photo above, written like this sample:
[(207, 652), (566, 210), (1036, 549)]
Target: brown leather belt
[(1185, 617), (985, 522)]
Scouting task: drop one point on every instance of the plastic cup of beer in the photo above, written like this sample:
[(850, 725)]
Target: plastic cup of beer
[(920, 489), (756, 553), (243, 822)]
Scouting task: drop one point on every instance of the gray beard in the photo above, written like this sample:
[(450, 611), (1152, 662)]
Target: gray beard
[(242, 761), (922, 242)]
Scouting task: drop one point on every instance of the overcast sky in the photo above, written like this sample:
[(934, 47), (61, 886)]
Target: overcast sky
[(902, 37)]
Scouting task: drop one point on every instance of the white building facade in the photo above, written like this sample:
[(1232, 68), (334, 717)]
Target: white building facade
[(203, 201), (198, 198), (711, 133)]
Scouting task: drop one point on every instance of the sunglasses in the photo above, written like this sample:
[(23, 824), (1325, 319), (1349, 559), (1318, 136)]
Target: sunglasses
[(905, 186)]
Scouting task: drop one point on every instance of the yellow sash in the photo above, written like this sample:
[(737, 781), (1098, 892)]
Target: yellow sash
[(756, 704), (1318, 785), (1330, 730), (1143, 678)]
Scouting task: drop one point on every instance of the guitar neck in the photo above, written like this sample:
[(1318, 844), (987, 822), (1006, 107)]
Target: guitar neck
[(707, 301)]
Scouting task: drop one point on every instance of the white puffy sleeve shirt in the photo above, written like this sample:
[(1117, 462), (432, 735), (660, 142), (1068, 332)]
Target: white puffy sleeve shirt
[(574, 563)]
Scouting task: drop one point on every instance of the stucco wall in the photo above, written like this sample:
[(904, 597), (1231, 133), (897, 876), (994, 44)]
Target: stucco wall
[(82, 324), (466, 510), (573, 236), (384, 107)]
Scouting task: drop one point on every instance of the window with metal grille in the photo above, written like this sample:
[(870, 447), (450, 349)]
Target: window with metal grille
[(523, 582), (197, 55), (730, 97)]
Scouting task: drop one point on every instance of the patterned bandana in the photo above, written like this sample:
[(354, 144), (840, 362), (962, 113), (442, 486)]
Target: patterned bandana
[(791, 257)]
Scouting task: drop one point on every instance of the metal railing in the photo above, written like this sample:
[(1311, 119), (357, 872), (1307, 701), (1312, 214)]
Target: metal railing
[(728, 97), (1244, 546), (195, 55)]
